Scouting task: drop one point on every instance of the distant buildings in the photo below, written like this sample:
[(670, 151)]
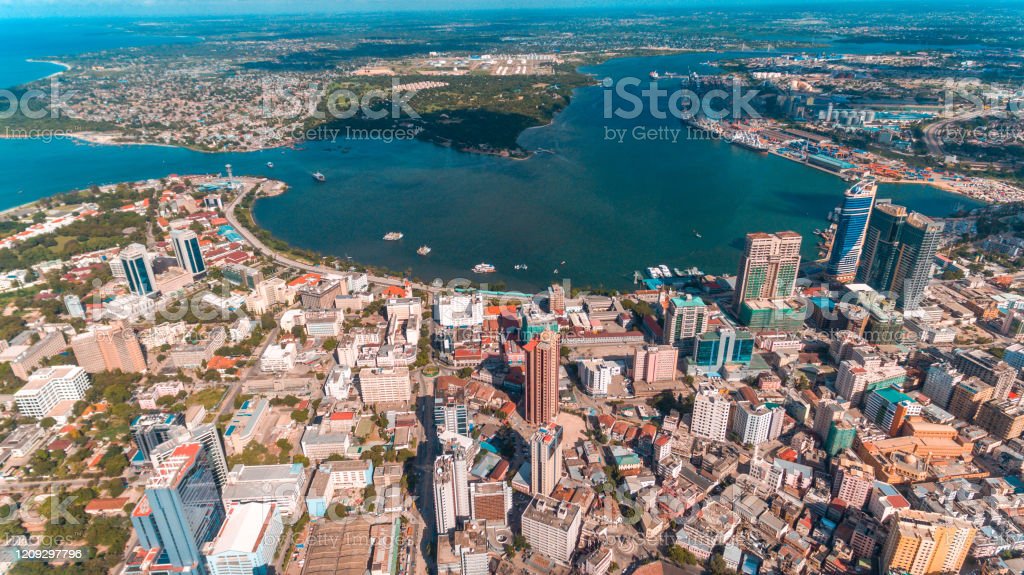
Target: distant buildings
[(545, 459), (109, 348), (542, 356), (899, 249), (52, 391), (851, 229), (922, 543)]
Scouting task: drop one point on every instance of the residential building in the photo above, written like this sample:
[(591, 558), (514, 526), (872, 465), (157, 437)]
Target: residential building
[(542, 357), (595, 375), (490, 501), (1003, 419), (31, 356), (685, 318), (968, 396), (854, 380), (385, 385), (545, 459), (653, 363), (109, 348), (923, 543), (768, 268), (939, 383), (987, 367), (711, 410), (757, 424), (552, 528), (50, 388)]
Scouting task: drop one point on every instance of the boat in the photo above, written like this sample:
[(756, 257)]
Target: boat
[(393, 236), (521, 267), (654, 74), (696, 233), (556, 271), (679, 272), (270, 165), (655, 273), (424, 250), (319, 177), (749, 141), (484, 269), (665, 272)]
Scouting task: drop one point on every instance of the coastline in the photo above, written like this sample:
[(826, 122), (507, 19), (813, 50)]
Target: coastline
[(64, 65)]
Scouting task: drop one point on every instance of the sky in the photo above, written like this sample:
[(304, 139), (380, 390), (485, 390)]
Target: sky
[(75, 8)]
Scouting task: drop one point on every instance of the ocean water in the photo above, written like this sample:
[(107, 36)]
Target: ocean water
[(585, 207)]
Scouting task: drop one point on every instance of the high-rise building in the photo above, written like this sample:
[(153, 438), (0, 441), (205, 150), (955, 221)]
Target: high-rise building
[(451, 488), (939, 383), (685, 318), (923, 543), (855, 380), (840, 437), (714, 349), (385, 385), (137, 270), (187, 252), (595, 375), (49, 388), (552, 528), (556, 299), (853, 482), (206, 435), (1003, 419), (888, 408), (545, 459), (181, 509), (470, 546), (542, 355), (851, 228), (247, 540), (450, 410), (968, 395), (898, 252), (490, 502), (987, 368), (109, 348), (826, 413), (757, 424), (768, 267), (152, 430), (652, 363), (711, 411)]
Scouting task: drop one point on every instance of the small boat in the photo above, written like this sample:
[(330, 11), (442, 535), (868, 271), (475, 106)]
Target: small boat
[(393, 236), (696, 233), (424, 250), (521, 267), (270, 165), (556, 271), (483, 269), (563, 262), (319, 177)]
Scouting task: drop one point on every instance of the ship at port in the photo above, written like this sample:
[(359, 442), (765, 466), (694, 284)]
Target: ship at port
[(749, 141), (424, 250), (483, 269), (393, 236), (319, 177)]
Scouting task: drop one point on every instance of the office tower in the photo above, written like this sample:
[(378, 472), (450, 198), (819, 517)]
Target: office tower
[(247, 540), (685, 318), (652, 363), (470, 545), (444, 495), (208, 436), (137, 270), (939, 383), (825, 413), (854, 380), (898, 251), (149, 431), (545, 459), (49, 388), (109, 348), (542, 355), (768, 267), (888, 409), (968, 395), (460, 477), (320, 295), (181, 509), (715, 349), (552, 528), (490, 502), (757, 424), (988, 368), (923, 543), (711, 410), (595, 375), (450, 411), (556, 299), (187, 252), (851, 227), (459, 310)]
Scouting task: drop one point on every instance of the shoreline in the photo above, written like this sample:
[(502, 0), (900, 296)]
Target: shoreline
[(64, 65)]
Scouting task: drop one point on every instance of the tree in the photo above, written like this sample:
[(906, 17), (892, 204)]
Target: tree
[(465, 372), (300, 415), (681, 556), (47, 422), (330, 344)]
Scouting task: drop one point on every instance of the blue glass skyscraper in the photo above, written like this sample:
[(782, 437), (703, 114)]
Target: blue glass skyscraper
[(187, 252), (851, 228), (137, 270)]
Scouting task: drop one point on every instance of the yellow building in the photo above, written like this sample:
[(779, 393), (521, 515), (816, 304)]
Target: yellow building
[(922, 543)]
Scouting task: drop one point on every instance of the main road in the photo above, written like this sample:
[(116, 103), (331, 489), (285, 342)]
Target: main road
[(259, 246)]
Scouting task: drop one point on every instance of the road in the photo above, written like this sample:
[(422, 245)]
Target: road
[(259, 246), (933, 133), (229, 398)]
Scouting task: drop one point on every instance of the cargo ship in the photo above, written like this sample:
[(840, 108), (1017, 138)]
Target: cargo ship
[(393, 236), (483, 269), (424, 250)]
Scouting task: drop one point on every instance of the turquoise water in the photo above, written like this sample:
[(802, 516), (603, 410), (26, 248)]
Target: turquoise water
[(604, 208)]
